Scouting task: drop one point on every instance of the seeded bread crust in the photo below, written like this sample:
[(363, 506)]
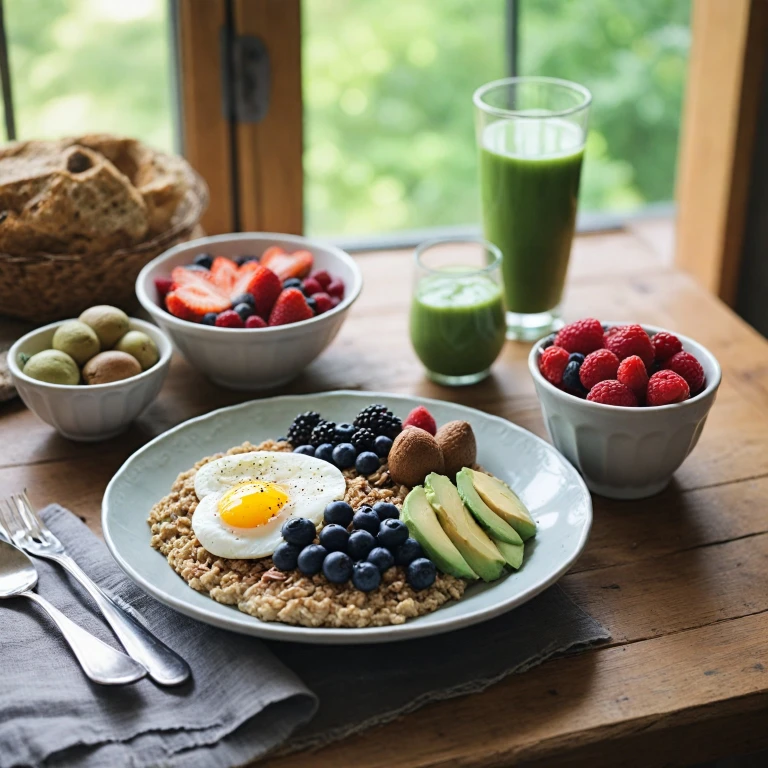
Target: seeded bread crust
[(257, 588)]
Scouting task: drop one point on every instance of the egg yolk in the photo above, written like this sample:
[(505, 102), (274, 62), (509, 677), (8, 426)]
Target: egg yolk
[(248, 505)]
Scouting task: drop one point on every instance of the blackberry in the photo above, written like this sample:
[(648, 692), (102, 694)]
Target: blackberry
[(324, 432), (380, 420), (300, 431), (363, 439)]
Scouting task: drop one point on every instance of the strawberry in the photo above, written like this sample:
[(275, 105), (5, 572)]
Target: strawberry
[(323, 277), (184, 276), (291, 307), (420, 417), (191, 302), (286, 265), (263, 284), (323, 302)]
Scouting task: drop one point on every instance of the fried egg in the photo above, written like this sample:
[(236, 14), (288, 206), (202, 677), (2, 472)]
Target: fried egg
[(245, 499)]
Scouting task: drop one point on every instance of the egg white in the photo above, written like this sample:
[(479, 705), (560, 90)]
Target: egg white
[(311, 484)]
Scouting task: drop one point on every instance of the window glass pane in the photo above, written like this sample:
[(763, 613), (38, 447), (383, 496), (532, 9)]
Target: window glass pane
[(389, 142), (633, 57), (86, 66)]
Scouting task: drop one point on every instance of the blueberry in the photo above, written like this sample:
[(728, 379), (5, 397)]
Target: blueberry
[(285, 556), (195, 268), (244, 259), (312, 304), (344, 432), (385, 510), (299, 531), (576, 357), (338, 512), (244, 310), (209, 318), (204, 260), (382, 558), (365, 576), (366, 519), (281, 439), (408, 551), (392, 533), (311, 559), (244, 298), (571, 380), (367, 463), (344, 455), (421, 573), (305, 450), (337, 567), (382, 445), (549, 341), (292, 282), (324, 452), (360, 544), (334, 538)]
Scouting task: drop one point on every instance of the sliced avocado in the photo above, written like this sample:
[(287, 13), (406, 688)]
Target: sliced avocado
[(493, 525), (512, 553), (422, 524), (504, 502), (468, 537)]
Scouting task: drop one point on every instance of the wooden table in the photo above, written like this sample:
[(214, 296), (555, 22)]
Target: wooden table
[(680, 580)]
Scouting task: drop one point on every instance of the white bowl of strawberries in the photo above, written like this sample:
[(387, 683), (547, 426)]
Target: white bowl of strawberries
[(250, 310), (624, 403)]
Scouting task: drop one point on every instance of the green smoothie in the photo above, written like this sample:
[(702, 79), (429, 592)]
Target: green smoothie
[(529, 180), (457, 322)]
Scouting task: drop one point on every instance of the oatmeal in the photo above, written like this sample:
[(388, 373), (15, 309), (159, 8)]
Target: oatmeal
[(257, 588)]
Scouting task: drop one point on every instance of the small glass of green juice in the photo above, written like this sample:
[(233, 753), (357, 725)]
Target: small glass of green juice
[(531, 133), (457, 317)]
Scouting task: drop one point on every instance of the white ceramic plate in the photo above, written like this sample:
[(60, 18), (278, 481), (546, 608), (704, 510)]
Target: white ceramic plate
[(550, 487)]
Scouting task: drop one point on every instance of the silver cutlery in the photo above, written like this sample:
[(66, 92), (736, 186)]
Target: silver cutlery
[(102, 664), (28, 532)]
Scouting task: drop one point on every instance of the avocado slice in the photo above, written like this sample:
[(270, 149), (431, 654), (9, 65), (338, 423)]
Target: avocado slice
[(422, 524), (468, 537), (512, 553), (493, 525), (504, 502)]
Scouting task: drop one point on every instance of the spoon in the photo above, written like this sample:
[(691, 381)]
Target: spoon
[(101, 663)]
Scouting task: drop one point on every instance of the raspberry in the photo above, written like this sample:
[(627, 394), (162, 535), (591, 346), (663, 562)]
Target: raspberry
[(552, 364), (612, 392), (631, 340), (583, 336), (323, 302), (666, 387), (598, 366), (335, 288), (687, 366), (420, 417), (311, 286), (323, 278), (254, 321), (229, 319), (632, 373), (163, 285), (665, 345)]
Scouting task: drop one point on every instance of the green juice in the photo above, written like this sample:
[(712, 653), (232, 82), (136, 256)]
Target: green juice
[(529, 181), (457, 323)]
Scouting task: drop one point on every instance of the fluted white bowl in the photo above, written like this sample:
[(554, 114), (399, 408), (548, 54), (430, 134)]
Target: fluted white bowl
[(251, 358), (626, 453), (89, 412)]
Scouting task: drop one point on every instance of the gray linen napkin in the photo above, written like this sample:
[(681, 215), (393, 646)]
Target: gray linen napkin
[(241, 703)]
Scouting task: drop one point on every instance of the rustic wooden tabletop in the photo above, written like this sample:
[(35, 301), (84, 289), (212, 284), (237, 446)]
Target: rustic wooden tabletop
[(680, 580)]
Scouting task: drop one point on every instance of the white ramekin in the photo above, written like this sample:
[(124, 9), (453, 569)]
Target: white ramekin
[(93, 412), (257, 358), (626, 453)]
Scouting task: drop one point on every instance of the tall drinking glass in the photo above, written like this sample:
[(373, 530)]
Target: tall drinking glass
[(530, 134)]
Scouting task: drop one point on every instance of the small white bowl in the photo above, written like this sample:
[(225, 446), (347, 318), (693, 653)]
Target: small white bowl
[(626, 453), (251, 358), (89, 412)]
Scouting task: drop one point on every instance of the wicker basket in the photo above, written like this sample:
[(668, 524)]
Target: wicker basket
[(45, 287)]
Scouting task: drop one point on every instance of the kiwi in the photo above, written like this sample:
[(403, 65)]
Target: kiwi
[(77, 340), (109, 323), (139, 345), (52, 366)]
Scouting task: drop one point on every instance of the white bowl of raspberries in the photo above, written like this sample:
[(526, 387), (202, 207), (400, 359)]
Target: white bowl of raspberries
[(250, 310), (624, 403)]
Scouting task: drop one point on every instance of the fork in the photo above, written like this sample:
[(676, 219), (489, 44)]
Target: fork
[(28, 532)]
